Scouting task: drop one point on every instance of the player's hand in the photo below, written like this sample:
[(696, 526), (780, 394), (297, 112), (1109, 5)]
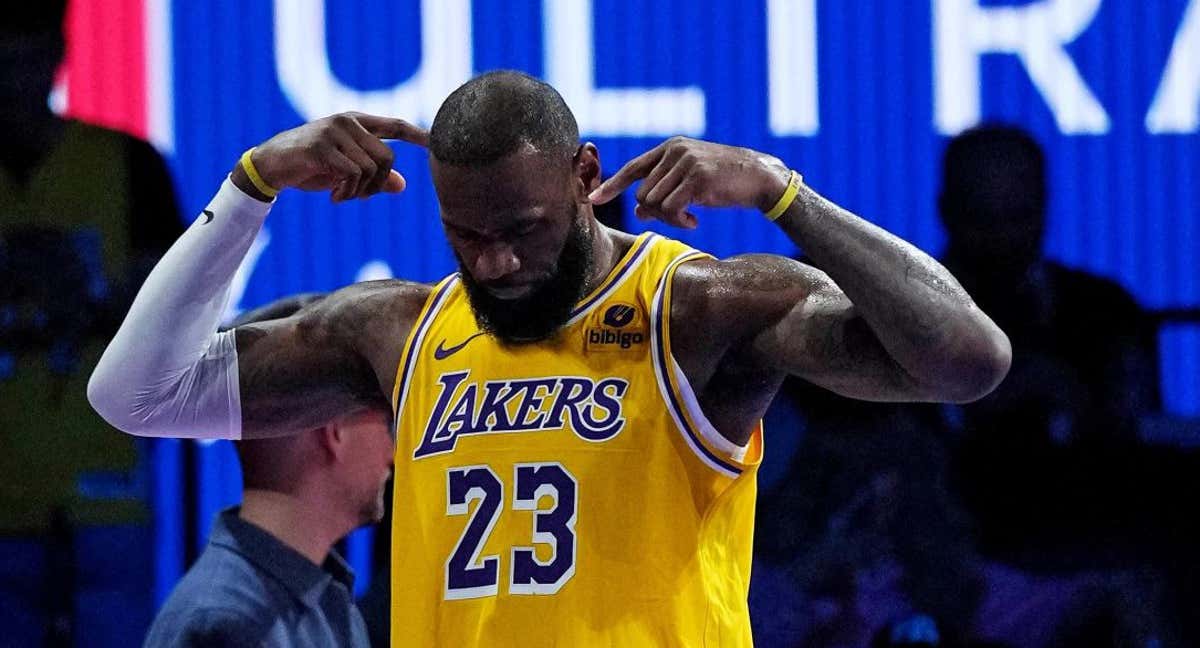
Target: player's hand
[(683, 171), (344, 153)]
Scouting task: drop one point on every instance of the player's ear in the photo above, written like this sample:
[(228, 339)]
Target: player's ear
[(587, 167), (332, 440)]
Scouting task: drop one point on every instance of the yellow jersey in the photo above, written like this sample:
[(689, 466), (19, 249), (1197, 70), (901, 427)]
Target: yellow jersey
[(568, 492)]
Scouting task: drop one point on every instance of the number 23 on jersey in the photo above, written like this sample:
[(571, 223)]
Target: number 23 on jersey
[(469, 575)]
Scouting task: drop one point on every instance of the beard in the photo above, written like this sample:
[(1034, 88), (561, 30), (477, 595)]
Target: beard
[(538, 315), (373, 510)]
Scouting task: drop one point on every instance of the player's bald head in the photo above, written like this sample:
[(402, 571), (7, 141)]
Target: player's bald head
[(496, 114), (512, 182)]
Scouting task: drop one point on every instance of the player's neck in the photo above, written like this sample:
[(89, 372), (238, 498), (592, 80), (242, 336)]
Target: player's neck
[(310, 530), (608, 246)]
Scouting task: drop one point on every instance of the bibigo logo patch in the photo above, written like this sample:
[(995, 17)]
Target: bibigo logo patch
[(621, 327)]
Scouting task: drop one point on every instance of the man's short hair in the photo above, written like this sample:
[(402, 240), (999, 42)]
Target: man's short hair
[(263, 460), (987, 147), (29, 18), (495, 114)]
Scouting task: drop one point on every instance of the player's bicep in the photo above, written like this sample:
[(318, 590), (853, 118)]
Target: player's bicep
[(288, 382), (767, 315), (304, 370), (822, 339)]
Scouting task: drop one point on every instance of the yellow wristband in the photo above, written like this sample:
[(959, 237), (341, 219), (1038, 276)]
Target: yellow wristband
[(255, 179), (788, 197)]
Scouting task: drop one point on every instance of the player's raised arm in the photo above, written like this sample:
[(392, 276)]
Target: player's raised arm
[(331, 357), (884, 321), (169, 372)]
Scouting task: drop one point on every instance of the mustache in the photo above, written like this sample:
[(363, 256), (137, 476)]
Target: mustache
[(541, 313)]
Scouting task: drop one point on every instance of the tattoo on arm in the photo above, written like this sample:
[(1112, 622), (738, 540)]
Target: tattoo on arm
[(795, 320), (330, 358)]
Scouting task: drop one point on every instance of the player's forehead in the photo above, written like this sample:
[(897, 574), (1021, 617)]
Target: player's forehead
[(519, 184)]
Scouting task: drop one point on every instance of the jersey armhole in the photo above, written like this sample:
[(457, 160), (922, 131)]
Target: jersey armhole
[(710, 446), (416, 338)]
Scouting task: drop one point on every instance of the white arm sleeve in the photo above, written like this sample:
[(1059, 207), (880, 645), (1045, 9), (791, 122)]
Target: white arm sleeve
[(168, 372)]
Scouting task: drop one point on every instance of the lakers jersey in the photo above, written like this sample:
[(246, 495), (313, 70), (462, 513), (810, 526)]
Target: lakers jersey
[(568, 492)]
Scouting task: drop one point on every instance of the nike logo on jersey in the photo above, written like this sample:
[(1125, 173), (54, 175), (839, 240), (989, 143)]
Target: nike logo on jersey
[(209, 215), (441, 353)]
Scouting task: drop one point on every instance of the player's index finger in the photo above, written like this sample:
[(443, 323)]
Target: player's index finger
[(634, 170), (393, 128)]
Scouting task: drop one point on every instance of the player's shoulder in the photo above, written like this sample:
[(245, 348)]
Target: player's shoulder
[(382, 305), (380, 298), (723, 302), (720, 284), (360, 315)]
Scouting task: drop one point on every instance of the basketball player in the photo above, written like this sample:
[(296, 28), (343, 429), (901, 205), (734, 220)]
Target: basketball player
[(577, 409)]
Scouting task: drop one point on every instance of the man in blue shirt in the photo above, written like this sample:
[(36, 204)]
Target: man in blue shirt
[(269, 576)]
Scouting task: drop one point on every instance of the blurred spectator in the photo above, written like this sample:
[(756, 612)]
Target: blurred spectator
[(84, 213), (1042, 458), (1084, 351), (269, 575), (878, 517), (1049, 465)]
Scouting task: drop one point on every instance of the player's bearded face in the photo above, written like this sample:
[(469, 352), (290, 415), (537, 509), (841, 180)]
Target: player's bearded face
[(537, 315)]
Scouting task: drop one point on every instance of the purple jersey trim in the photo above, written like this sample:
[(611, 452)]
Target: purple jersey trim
[(663, 368)]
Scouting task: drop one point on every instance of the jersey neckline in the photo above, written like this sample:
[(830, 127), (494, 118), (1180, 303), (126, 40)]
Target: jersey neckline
[(615, 277)]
